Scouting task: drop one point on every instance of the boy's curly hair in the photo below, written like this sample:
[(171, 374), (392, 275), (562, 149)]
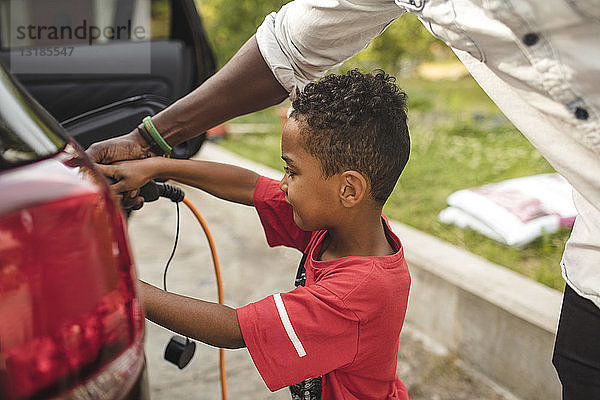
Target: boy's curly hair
[(357, 122)]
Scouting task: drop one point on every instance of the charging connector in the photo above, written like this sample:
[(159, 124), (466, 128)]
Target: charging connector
[(152, 190)]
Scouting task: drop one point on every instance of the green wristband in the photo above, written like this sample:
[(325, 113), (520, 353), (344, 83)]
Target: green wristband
[(151, 129)]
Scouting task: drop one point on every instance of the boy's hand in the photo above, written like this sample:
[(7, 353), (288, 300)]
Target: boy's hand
[(130, 176), (127, 147)]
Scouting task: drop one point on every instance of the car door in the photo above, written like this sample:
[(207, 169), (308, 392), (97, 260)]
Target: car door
[(86, 61)]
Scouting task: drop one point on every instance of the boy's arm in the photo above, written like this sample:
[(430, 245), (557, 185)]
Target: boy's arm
[(211, 323), (225, 181)]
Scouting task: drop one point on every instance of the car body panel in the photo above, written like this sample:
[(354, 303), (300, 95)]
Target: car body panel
[(71, 325)]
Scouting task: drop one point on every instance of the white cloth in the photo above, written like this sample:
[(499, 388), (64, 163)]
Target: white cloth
[(539, 60), (514, 211)]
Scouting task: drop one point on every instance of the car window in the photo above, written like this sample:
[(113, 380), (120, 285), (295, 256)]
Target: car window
[(27, 132), (37, 23)]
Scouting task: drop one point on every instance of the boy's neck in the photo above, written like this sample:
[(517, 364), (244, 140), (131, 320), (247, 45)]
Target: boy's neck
[(358, 235)]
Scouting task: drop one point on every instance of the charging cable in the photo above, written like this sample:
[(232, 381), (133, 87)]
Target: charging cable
[(180, 350)]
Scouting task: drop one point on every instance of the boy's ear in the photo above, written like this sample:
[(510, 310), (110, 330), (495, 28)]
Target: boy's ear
[(353, 188)]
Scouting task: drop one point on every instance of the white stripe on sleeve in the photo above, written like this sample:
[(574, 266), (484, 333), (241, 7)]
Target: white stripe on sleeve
[(289, 329)]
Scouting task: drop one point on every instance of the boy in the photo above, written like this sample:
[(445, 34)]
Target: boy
[(345, 144)]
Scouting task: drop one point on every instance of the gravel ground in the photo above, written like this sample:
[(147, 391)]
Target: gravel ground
[(429, 375)]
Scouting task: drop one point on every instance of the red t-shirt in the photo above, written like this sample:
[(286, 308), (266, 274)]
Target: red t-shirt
[(344, 324)]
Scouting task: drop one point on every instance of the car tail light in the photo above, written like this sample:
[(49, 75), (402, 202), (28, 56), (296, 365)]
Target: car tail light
[(68, 310)]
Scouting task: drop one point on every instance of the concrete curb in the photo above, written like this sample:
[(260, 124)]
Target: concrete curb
[(496, 321)]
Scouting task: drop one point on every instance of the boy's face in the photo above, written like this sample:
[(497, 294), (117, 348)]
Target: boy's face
[(313, 197)]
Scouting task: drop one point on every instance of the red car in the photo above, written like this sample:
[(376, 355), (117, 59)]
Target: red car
[(71, 325)]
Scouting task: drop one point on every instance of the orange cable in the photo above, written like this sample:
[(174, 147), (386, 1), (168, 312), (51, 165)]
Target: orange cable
[(213, 251)]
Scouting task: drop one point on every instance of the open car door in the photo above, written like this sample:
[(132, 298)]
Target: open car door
[(100, 66)]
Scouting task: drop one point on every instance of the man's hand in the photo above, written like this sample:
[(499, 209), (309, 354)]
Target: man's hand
[(122, 148), (127, 147)]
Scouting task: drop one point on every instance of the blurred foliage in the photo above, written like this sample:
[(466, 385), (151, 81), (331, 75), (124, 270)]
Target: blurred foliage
[(405, 43), (161, 19), (230, 23)]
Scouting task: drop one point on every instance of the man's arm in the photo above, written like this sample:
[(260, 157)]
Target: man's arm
[(245, 84), (208, 322)]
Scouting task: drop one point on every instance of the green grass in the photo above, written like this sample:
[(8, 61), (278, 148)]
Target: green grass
[(459, 140)]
